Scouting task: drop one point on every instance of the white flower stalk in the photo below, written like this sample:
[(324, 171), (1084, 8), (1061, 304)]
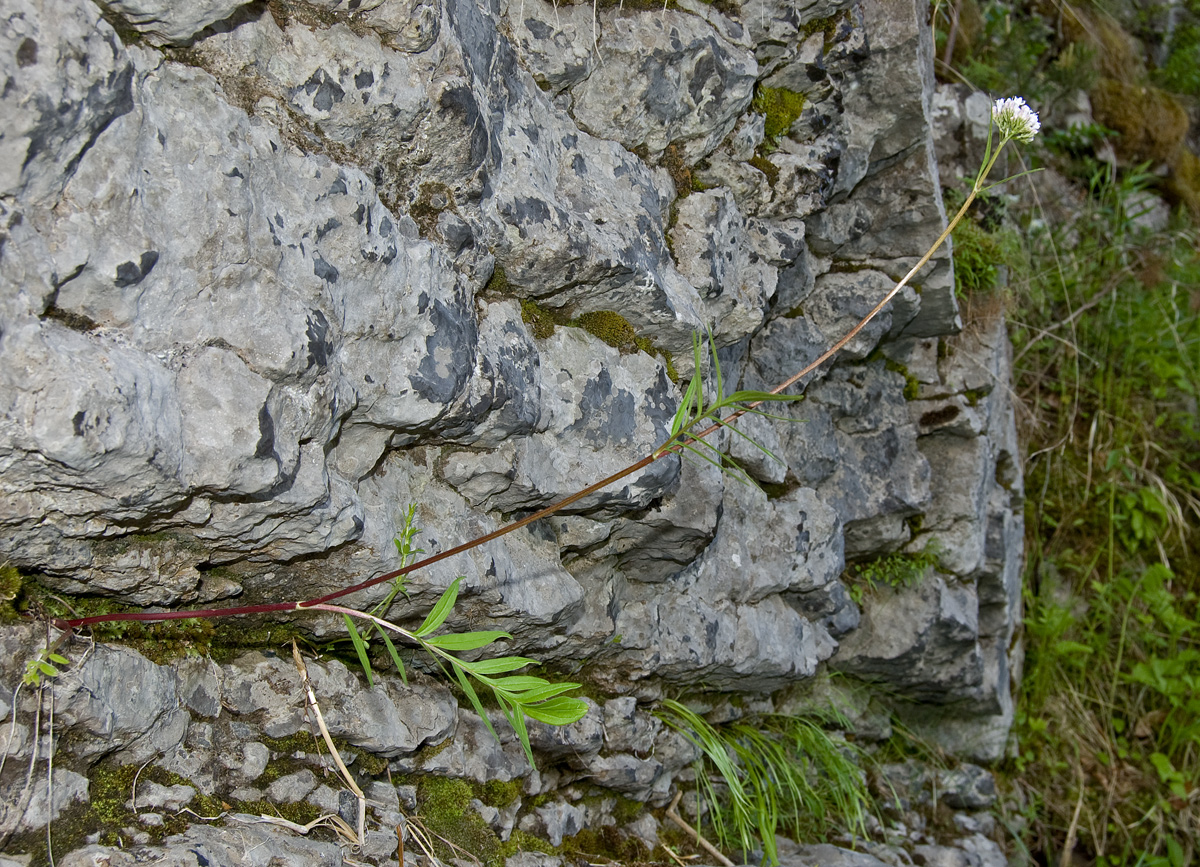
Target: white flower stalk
[(1015, 119)]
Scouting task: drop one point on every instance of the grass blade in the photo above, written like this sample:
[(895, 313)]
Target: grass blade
[(393, 653), (360, 647)]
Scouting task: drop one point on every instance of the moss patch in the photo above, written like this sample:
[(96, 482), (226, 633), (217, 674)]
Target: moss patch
[(781, 106), (444, 806), (1151, 122), (680, 171), (541, 321), (765, 166)]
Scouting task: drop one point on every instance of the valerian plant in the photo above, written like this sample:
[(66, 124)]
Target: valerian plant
[(519, 695)]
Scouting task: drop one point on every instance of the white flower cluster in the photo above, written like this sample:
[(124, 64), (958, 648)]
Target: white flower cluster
[(1015, 119)]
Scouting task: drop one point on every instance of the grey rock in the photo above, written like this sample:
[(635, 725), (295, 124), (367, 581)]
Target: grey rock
[(533, 859), (256, 756), (922, 640), (474, 753), (758, 451), (982, 851), (634, 398), (199, 686), (626, 774), (166, 23), (555, 821), (558, 45), (626, 729), (710, 245), (689, 82), (967, 787), (831, 856), (580, 740), (45, 803), (151, 794), (119, 699), (291, 788), (881, 478)]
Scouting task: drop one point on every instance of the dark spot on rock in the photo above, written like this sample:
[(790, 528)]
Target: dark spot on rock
[(319, 345), (939, 417), (337, 188), (364, 79), (278, 220), (360, 214), (385, 226), (133, 273), (324, 90), (201, 861), (324, 270), (569, 141), (422, 302), (78, 421), (330, 224), (449, 355), (579, 164), (539, 29), (266, 435), (368, 378), (235, 172), (528, 210), (26, 53), (460, 101), (358, 524)]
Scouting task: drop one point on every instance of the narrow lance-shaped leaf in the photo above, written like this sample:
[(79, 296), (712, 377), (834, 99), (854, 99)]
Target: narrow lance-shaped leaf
[(501, 664), (399, 663), (440, 611), (465, 640), (360, 648)]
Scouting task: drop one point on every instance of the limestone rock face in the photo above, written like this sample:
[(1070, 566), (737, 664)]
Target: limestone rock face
[(271, 272)]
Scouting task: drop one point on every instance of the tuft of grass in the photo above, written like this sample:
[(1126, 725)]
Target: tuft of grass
[(770, 774)]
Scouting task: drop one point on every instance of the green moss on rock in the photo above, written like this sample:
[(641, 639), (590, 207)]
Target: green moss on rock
[(781, 106), (445, 808)]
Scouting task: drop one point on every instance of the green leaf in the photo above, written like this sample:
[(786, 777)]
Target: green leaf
[(517, 718), (560, 711), (441, 610), (47, 669), (471, 694), (466, 640), (59, 658), (360, 647), (501, 664), (399, 663), (516, 683), (548, 691)]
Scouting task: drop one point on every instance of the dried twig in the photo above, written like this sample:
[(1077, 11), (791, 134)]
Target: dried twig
[(704, 844), (333, 750)]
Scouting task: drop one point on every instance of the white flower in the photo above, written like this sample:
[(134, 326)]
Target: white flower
[(1015, 119)]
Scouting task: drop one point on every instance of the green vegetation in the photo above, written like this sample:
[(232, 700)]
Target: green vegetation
[(893, 570), (1107, 369), (772, 774), (781, 106), (1109, 718)]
